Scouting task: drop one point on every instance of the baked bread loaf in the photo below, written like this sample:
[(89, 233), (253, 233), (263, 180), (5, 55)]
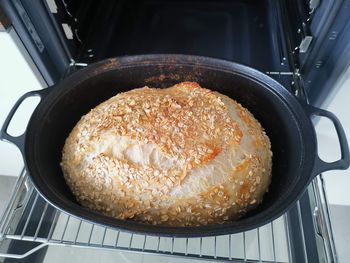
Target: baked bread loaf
[(180, 156)]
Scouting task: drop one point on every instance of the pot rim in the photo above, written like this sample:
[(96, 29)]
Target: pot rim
[(175, 60)]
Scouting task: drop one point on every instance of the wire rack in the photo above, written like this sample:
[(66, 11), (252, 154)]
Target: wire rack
[(44, 226)]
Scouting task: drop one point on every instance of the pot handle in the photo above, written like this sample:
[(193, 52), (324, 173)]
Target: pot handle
[(344, 162), (19, 140)]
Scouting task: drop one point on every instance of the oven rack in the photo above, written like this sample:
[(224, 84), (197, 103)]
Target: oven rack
[(265, 244), (30, 219)]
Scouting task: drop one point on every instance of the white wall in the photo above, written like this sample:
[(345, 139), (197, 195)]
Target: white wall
[(17, 76)]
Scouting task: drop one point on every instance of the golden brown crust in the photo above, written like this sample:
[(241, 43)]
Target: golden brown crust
[(177, 156)]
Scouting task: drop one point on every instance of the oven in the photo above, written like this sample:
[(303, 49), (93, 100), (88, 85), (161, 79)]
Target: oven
[(302, 44)]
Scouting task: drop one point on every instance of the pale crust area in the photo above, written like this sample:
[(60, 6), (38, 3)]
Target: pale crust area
[(181, 156)]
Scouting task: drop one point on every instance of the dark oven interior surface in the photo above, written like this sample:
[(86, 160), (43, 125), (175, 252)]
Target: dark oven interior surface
[(246, 32)]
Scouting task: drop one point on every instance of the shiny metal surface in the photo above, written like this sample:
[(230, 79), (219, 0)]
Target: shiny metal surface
[(270, 243), (64, 230)]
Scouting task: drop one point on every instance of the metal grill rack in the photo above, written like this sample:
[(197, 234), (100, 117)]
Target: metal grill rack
[(29, 218), (269, 243)]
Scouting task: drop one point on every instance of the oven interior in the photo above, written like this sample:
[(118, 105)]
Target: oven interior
[(287, 37), (247, 32), (296, 42)]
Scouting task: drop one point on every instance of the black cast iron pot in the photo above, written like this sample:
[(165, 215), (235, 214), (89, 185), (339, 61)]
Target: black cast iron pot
[(286, 121)]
